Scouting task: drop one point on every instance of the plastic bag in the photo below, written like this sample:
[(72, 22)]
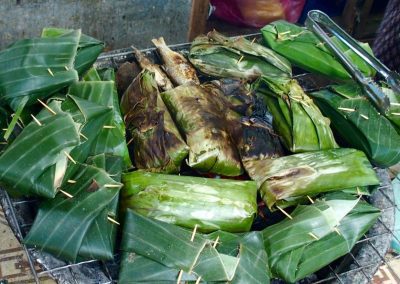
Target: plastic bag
[(257, 13)]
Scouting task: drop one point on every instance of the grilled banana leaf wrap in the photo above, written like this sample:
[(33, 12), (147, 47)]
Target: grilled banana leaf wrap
[(311, 173), (208, 204), (296, 118), (157, 144), (303, 49), (219, 56), (359, 124)]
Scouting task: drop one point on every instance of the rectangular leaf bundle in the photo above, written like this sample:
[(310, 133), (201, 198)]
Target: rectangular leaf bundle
[(158, 145), (177, 254), (302, 48), (209, 204), (296, 118), (200, 115), (220, 56), (311, 173), (359, 124)]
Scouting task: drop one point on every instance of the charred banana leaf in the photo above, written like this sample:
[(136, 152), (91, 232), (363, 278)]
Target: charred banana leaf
[(311, 173), (208, 204), (158, 145), (296, 118), (359, 124), (179, 254), (201, 115), (219, 56), (305, 50)]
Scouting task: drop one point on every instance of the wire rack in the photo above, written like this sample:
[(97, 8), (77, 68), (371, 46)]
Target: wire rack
[(358, 266)]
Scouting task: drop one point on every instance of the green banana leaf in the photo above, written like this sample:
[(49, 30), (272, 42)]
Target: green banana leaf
[(159, 257), (296, 118), (110, 140), (88, 49), (209, 204), (76, 228), (303, 49), (35, 163), (236, 58), (359, 124), (293, 253), (36, 68), (201, 115), (393, 113), (311, 173), (157, 143)]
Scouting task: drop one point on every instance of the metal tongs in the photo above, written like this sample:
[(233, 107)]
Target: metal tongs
[(316, 20)]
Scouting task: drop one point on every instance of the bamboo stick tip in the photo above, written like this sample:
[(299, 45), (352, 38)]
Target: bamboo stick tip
[(193, 233), (284, 212), (178, 280)]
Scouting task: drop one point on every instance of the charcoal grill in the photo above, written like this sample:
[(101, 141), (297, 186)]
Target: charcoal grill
[(358, 266)]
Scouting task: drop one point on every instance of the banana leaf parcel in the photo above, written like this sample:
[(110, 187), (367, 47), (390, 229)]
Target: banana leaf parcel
[(296, 118), (359, 124), (88, 48), (158, 145), (178, 254), (316, 235), (35, 163), (311, 173), (80, 223), (303, 49), (111, 139), (203, 118), (36, 68), (220, 56), (208, 204)]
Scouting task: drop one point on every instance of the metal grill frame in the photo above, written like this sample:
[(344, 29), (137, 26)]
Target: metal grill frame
[(107, 272)]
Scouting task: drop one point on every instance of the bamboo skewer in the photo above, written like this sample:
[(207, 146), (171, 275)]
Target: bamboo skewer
[(178, 280), (284, 212), (313, 236), (311, 200), (36, 120), (66, 193), (216, 242), (347, 109), (50, 72), (193, 233), (47, 107), (71, 181), (69, 157), (113, 220)]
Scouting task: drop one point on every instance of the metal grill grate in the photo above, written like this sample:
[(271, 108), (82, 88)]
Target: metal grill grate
[(358, 266)]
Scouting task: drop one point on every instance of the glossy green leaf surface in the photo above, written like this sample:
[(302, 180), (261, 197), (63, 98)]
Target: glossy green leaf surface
[(303, 49), (35, 163), (36, 68), (88, 48), (359, 124), (209, 204), (311, 173), (66, 226)]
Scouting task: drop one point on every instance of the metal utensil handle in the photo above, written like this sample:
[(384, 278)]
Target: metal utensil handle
[(316, 19)]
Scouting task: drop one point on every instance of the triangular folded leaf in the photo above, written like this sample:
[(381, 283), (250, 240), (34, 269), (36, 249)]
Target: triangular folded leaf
[(35, 163), (62, 223), (36, 68)]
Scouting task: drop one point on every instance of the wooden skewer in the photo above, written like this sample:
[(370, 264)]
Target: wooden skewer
[(395, 113), (240, 59), (69, 157), (108, 126), (313, 236), (36, 120), (395, 104), (254, 39), (47, 107), (358, 191), (347, 109), (4, 129), (66, 193), (129, 142), (81, 134), (337, 231), (113, 220), (216, 242), (112, 185), (66, 68), (193, 233), (198, 280), (364, 116), (71, 181), (50, 72), (311, 200), (178, 280), (284, 212)]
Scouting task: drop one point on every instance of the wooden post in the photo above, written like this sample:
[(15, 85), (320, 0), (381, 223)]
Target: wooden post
[(198, 18)]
